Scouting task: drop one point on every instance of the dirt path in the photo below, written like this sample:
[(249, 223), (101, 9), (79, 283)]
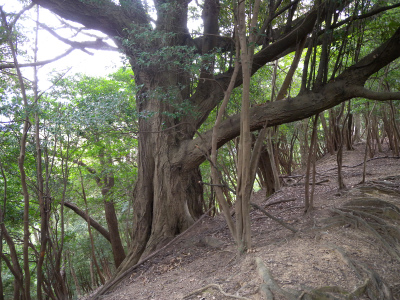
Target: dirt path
[(340, 247)]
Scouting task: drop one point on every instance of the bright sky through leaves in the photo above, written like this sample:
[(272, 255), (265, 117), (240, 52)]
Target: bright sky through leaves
[(99, 64)]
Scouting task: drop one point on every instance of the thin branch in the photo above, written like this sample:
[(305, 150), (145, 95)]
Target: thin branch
[(18, 15), (372, 95), (273, 218), (38, 63), (104, 232), (373, 12), (98, 44)]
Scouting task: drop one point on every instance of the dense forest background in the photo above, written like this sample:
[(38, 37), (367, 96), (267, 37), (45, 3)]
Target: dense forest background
[(98, 172)]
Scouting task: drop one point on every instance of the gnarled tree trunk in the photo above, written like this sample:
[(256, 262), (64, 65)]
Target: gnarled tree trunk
[(167, 198)]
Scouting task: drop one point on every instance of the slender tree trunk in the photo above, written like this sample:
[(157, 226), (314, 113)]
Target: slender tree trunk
[(328, 141), (368, 132), (388, 129), (375, 133), (14, 266), (21, 161), (308, 202), (273, 162), (2, 228), (334, 125), (44, 213), (220, 193), (93, 255), (303, 140), (291, 153), (106, 186), (246, 158), (265, 168), (112, 222), (340, 141), (349, 132), (396, 129), (74, 278), (17, 291), (357, 128), (92, 275), (339, 159)]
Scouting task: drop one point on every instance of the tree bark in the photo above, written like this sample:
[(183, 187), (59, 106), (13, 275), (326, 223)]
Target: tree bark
[(167, 198), (349, 133), (308, 200), (396, 129), (112, 222)]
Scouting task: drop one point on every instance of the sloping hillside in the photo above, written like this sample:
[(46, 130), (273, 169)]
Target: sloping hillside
[(348, 247)]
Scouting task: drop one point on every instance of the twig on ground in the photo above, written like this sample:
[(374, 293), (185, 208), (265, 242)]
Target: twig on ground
[(290, 208), (316, 183), (273, 218), (357, 165), (279, 201)]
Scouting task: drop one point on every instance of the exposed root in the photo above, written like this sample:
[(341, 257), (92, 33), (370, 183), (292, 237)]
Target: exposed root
[(373, 286), (217, 287), (387, 234), (382, 188), (269, 285), (379, 218), (376, 206)]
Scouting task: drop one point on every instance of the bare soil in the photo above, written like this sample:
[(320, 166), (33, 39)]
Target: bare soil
[(333, 255)]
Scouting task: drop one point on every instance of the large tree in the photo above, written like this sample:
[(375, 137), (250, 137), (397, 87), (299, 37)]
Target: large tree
[(180, 83)]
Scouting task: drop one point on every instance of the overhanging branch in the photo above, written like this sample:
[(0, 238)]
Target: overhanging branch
[(264, 56), (346, 86), (105, 16)]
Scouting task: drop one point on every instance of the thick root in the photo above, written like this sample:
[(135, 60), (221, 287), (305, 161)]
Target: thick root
[(373, 286)]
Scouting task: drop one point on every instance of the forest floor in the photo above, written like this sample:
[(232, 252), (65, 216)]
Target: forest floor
[(347, 248)]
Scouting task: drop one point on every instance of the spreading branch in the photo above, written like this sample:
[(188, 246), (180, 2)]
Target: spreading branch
[(105, 16), (104, 232), (266, 55)]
